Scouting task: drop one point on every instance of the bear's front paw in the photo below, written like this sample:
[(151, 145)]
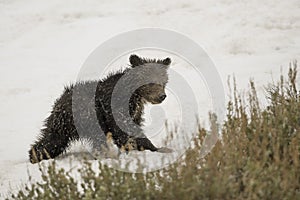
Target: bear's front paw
[(165, 150)]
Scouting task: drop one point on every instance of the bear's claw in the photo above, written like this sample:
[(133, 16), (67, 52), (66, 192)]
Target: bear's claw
[(165, 150)]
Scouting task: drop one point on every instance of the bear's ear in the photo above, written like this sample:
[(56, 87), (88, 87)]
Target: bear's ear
[(166, 61), (135, 60)]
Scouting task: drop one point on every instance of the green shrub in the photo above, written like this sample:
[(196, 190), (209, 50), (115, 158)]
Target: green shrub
[(258, 157)]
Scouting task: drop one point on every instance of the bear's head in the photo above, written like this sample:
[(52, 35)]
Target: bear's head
[(154, 73)]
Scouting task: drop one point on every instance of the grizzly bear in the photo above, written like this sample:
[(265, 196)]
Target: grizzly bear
[(116, 102)]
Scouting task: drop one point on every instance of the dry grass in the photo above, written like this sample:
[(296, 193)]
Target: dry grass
[(258, 157)]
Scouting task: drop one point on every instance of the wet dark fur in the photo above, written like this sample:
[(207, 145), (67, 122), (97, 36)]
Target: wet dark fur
[(92, 99)]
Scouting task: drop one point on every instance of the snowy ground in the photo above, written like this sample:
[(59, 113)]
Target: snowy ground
[(44, 43)]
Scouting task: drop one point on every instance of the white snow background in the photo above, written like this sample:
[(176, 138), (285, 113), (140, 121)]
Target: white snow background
[(44, 43)]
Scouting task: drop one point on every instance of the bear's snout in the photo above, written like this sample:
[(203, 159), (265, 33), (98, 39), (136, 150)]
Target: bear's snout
[(162, 97)]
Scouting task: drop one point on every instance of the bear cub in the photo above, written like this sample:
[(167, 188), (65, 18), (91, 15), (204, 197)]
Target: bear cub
[(109, 108)]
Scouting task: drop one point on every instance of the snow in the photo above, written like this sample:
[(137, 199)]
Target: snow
[(44, 43)]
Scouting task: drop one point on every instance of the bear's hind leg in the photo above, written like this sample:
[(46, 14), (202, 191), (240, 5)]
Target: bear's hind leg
[(50, 145)]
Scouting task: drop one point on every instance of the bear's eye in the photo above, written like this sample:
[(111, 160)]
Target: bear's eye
[(156, 84)]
